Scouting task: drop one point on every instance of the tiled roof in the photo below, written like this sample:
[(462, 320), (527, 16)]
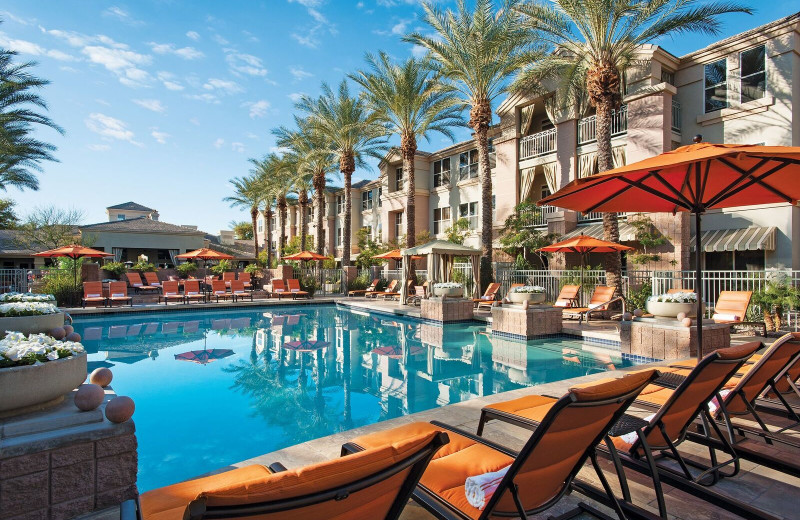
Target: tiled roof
[(132, 206), (9, 245), (239, 248), (140, 225)]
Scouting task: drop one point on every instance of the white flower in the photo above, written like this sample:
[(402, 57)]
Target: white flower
[(16, 346), (527, 289), (448, 285), (27, 309), (52, 355)]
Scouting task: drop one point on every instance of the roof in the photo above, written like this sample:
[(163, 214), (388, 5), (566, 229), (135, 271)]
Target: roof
[(9, 244), (140, 225), (241, 249), (132, 206), (442, 247), (752, 238), (627, 233)]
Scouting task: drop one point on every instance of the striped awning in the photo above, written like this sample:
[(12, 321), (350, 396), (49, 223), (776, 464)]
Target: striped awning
[(627, 233), (745, 239)]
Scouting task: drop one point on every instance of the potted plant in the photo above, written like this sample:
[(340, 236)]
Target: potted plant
[(776, 297), (29, 313), (670, 305), (449, 289), (530, 293), (115, 269), (186, 269), (255, 271), (222, 266), (333, 284), (36, 370)]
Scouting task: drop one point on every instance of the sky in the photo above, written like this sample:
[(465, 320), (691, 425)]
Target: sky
[(164, 101)]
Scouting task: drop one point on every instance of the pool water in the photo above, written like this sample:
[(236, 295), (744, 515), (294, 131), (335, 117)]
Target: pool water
[(217, 387)]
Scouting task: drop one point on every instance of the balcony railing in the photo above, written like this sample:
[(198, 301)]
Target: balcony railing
[(587, 127), (589, 217), (537, 144), (676, 116), (539, 218)]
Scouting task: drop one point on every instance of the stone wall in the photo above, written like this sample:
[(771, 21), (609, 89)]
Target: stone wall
[(446, 309), (668, 339), (537, 320)]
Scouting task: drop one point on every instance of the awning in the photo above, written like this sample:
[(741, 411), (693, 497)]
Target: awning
[(746, 239), (627, 233)]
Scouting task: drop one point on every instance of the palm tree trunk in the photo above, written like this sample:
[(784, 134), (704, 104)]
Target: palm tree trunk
[(408, 149), (303, 202), (282, 215), (254, 217), (480, 119), (612, 261), (319, 195), (268, 238), (347, 166)]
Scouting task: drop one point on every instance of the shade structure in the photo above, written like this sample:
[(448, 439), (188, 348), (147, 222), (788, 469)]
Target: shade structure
[(306, 256), (204, 254), (584, 245), (394, 254), (693, 178), (441, 255), (305, 346), (73, 251), (204, 357)]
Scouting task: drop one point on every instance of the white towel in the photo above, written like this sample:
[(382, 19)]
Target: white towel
[(630, 438), (725, 317), (118, 295), (713, 404), (480, 488)]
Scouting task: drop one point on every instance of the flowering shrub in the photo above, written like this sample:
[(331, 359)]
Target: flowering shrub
[(14, 309), (17, 350), (448, 285), (681, 297), (528, 289), (26, 297)]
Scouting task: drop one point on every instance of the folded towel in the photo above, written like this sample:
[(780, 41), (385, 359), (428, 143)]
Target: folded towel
[(118, 295), (480, 488), (93, 296), (487, 298), (595, 305), (561, 303), (714, 403), (726, 317), (630, 438)]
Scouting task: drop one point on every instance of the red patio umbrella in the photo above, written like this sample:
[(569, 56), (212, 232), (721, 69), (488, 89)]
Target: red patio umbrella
[(692, 178), (204, 254), (204, 357), (396, 351), (73, 251), (305, 346)]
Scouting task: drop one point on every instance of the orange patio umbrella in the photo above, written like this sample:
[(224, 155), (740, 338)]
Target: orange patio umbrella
[(693, 178), (584, 245), (306, 256), (73, 251), (205, 254), (394, 254)]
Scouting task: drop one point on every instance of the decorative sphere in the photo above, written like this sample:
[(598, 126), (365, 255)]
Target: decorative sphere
[(681, 316), (89, 396), (120, 409), (627, 316), (73, 336), (525, 304), (58, 333), (68, 329), (638, 313), (496, 304), (506, 300), (686, 322), (101, 376)]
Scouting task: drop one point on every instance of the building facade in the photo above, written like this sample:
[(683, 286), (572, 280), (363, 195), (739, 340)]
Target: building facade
[(738, 90)]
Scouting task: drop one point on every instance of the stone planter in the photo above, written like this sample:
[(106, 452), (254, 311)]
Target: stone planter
[(533, 298), (332, 287), (34, 387), (670, 309), (31, 324), (450, 292)]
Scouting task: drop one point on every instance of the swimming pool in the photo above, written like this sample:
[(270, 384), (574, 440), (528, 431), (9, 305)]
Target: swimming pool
[(217, 387)]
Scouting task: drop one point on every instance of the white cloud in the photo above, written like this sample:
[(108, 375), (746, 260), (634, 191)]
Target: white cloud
[(195, 121), (224, 85), (220, 40), (245, 63), (360, 5), (400, 27), (250, 36), (34, 49), (257, 108), (121, 15), (69, 69), (168, 80), (219, 143), (5, 15), (299, 74), (160, 137), (208, 98), (98, 147), (187, 53), (151, 104), (237, 147), (296, 96), (418, 51), (309, 36), (193, 35), (110, 128), (251, 135)]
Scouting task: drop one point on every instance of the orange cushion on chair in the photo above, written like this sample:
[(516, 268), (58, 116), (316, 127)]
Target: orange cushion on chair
[(531, 407)]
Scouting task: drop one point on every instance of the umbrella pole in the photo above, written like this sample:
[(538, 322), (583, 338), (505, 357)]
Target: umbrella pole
[(583, 268), (698, 283)]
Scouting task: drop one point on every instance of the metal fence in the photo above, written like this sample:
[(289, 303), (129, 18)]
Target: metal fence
[(25, 280), (327, 281)]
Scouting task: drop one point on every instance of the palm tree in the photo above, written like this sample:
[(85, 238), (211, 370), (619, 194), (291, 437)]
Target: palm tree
[(351, 133), (479, 51), (274, 185), (410, 101), (302, 183), (19, 151), (247, 194), (596, 41)]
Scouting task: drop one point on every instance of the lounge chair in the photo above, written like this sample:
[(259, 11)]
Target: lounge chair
[(191, 291), (135, 281), (151, 279), (219, 290), (279, 289), (568, 296), (489, 296), (420, 292), (118, 292), (238, 290), (246, 280), (636, 439), (388, 292), (539, 475), (375, 483), (731, 307), (372, 287), (93, 293), (602, 298), (228, 277), (293, 284), (170, 292)]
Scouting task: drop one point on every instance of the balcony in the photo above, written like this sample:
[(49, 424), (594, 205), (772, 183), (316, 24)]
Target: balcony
[(537, 144), (592, 216), (587, 127), (538, 218), (676, 117)]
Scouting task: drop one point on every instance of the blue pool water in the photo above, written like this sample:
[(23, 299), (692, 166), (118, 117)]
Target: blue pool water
[(257, 380)]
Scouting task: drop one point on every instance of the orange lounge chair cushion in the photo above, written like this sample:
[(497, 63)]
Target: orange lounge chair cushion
[(255, 484), (531, 407), (453, 463)]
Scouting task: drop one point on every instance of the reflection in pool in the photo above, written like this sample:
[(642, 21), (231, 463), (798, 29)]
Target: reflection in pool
[(217, 387)]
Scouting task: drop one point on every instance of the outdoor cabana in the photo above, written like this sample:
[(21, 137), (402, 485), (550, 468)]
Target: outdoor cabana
[(441, 256)]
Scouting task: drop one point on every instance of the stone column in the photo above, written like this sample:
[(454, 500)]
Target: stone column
[(283, 272), (350, 273)]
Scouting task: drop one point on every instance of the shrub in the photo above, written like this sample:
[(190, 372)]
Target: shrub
[(186, 269), (309, 284), (61, 285), (116, 268), (637, 298), (222, 266), (360, 282), (141, 265)]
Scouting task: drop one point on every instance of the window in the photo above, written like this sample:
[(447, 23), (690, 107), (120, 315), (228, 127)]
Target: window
[(667, 76), (339, 204), (468, 165), (398, 179), (380, 194), (494, 207), (752, 66), (490, 143), (120, 217), (338, 237), (441, 173), (441, 220), (716, 77), (545, 192), (398, 225), (260, 225), (469, 211), (366, 200)]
